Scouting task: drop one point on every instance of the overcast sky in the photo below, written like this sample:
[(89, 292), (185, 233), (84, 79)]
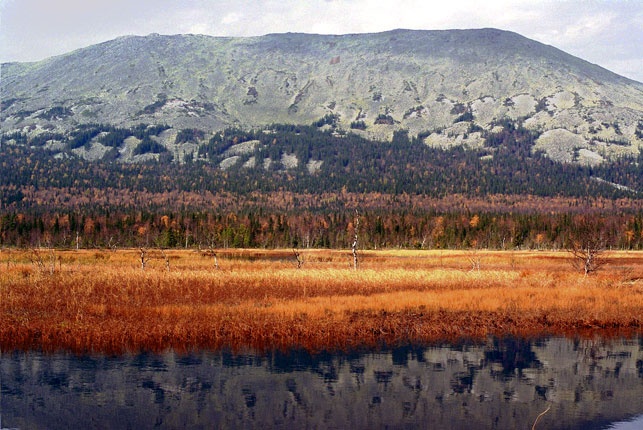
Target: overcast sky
[(605, 32)]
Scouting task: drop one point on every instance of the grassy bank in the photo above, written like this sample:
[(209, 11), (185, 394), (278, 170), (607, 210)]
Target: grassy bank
[(105, 301)]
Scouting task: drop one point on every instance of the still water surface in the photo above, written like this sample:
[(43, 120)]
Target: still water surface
[(500, 384)]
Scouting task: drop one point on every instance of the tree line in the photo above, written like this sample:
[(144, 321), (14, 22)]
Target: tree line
[(301, 229)]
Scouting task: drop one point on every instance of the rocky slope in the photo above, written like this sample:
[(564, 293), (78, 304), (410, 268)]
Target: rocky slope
[(447, 86)]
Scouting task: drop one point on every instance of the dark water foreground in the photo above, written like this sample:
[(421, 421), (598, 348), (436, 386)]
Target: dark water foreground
[(502, 384)]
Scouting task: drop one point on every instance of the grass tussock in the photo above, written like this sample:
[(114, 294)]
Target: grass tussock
[(104, 301)]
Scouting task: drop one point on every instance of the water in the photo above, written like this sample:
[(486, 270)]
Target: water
[(634, 424), (501, 384)]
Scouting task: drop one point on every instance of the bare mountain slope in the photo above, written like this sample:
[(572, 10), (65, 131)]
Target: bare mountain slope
[(442, 84)]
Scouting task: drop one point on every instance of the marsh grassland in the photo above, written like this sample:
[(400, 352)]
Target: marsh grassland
[(104, 301)]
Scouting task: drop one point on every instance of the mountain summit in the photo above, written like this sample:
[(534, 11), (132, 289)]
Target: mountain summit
[(445, 86)]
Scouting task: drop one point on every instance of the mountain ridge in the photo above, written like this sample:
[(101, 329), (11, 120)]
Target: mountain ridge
[(441, 84), (391, 32)]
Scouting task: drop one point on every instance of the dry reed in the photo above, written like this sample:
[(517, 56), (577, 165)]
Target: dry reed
[(104, 301)]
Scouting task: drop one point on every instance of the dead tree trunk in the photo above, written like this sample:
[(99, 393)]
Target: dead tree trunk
[(144, 258), (36, 260), (474, 259), (211, 253), (300, 261), (355, 242), (587, 257), (52, 260), (587, 245), (111, 244), (40, 262), (167, 260)]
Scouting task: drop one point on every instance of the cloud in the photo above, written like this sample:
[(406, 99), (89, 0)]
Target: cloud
[(589, 26), (231, 18)]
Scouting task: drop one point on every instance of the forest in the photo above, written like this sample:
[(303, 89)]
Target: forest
[(405, 193), (300, 229)]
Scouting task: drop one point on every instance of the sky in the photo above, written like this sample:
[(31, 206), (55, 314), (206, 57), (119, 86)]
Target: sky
[(605, 32)]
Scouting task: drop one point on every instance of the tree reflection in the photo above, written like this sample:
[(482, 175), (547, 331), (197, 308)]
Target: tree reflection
[(504, 383)]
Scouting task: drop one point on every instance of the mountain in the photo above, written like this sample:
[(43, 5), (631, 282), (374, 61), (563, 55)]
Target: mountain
[(447, 88)]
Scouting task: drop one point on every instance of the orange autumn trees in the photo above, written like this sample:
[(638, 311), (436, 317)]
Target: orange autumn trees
[(270, 228)]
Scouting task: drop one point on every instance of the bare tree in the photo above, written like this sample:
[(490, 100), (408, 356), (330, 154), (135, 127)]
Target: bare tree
[(216, 261), (474, 259), (300, 260), (111, 244), (39, 260), (166, 258), (210, 252), (587, 244), (355, 241), (587, 256), (144, 258)]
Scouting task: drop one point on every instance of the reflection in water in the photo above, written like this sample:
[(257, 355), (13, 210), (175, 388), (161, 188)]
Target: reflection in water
[(633, 424), (503, 384)]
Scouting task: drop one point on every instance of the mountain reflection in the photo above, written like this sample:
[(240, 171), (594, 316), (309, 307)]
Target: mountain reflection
[(501, 384)]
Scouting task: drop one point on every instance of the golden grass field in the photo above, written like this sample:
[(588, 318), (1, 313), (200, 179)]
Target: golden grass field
[(103, 301)]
